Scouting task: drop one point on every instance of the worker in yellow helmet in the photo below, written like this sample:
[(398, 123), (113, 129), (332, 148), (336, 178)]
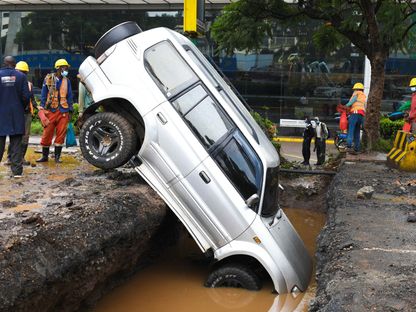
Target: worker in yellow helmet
[(29, 111), (357, 104), (412, 113), (56, 103)]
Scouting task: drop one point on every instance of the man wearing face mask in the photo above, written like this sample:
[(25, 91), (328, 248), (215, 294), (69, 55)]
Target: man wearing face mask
[(56, 103), (412, 113)]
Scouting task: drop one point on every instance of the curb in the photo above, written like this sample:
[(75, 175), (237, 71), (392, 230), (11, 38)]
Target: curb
[(297, 140)]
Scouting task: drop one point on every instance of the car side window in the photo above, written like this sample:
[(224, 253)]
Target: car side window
[(168, 68), (187, 101), (241, 165), (207, 121)]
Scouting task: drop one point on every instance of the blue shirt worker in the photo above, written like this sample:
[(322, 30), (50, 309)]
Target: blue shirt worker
[(14, 98), (56, 103)]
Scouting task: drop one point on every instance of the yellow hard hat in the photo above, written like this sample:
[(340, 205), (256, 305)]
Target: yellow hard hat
[(412, 82), (358, 86), (61, 62), (22, 66)]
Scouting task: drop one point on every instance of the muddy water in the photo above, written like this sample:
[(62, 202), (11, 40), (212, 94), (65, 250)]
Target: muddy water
[(175, 283)]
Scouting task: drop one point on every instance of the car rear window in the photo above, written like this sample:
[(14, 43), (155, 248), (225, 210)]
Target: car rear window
[(168, 68)]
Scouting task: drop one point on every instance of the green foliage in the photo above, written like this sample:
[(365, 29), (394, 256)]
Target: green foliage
[(75, 113), (268, 127), (327, 39), (388, 128), (383, 145), (36, 127)]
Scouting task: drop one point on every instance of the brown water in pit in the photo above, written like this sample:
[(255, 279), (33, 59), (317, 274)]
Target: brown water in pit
[(175, 283)]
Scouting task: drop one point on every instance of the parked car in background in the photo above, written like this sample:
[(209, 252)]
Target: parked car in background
[(160, 104)]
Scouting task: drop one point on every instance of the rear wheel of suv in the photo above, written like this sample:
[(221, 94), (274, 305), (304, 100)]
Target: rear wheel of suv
[(234, 275), (107, 140)]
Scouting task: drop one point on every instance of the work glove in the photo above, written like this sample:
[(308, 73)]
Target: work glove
[(43, 119)]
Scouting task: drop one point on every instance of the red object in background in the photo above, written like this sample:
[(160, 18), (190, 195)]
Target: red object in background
[(343, 121), (407, 127)]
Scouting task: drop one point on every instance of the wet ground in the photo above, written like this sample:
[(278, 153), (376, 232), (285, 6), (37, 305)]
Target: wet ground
[(69, 232), (65, 222), (366, 251), (175, 282)]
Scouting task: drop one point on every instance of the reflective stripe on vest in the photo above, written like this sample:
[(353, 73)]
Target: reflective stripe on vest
[(359, 104), (53, 101), (29, 84)]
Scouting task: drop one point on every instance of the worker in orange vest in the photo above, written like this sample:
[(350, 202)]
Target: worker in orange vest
[(412, 113), (357, 104), (55, 108)]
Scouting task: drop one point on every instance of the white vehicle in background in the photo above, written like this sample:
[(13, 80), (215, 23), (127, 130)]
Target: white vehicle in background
[(162, 103)]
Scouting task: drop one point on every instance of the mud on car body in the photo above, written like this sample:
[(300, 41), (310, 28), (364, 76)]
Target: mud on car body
[(196, 144)]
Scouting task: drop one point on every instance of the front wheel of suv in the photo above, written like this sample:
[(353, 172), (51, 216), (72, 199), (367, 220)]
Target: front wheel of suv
[(234, 275), (107, 140)]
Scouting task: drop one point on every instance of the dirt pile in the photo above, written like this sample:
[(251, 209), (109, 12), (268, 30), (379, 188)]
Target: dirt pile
[(366, 252), (304, 191), (83, 236)]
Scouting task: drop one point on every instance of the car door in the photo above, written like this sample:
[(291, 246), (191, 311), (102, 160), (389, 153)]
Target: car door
[(220, 186)]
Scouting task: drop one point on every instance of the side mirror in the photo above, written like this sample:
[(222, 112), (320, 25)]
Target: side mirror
[(252, 200)]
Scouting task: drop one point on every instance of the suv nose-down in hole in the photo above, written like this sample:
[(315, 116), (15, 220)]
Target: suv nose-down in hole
[(159, 102)]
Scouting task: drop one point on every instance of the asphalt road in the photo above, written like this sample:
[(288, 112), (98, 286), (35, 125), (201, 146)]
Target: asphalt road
[(292, 151)]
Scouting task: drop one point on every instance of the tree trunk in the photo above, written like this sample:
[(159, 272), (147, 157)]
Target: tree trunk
[(372, 122)]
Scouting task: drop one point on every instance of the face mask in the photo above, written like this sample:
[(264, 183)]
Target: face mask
[(64, 73), (413, 89)]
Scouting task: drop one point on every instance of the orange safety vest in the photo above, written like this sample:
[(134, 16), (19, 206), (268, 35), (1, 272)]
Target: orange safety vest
[(56, 97), (30, 85), (360, 103)]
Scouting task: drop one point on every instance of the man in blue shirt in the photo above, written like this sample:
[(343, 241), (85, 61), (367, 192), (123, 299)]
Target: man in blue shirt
[(14, 98)]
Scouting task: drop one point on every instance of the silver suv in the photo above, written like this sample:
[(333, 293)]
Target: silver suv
[(159, 102)]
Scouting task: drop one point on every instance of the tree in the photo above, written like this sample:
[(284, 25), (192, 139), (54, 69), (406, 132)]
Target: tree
[(376, 27)]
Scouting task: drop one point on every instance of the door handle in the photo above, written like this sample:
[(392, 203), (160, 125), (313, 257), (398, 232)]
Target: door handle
[(161, 118), (204, 177)]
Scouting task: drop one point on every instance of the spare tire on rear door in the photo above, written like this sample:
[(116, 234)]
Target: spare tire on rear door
[(115, 35), (107, 140)]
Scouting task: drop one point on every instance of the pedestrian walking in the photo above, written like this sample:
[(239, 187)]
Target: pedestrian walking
[(14, 97), (308, 134), (55, 108), (357, 104), (321, 135), (412, 112), (29, 113)]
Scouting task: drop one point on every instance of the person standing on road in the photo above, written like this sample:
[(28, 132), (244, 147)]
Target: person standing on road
[(56, 103), (412, 113), (322, 134), (29, 112), (308, 134), (357, 104), (14, 97)]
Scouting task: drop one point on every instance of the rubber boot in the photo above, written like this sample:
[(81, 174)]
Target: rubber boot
[(45, 154), (24, 150), (58, 150)]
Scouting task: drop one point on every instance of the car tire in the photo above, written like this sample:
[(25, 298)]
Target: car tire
[(234, 275), (107, 140), (115, 35)]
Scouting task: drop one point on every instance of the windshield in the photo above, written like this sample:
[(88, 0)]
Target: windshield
[(270, 202)]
